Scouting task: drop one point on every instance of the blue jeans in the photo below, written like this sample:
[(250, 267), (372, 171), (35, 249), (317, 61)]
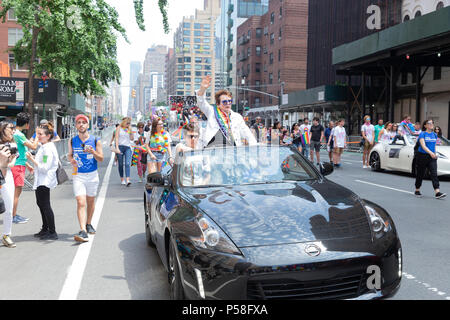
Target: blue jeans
[(305, 150), (125, 152)]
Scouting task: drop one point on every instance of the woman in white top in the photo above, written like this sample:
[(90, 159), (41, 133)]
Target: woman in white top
[(45, 166), (124, 137), (7, 189), (385, 134)]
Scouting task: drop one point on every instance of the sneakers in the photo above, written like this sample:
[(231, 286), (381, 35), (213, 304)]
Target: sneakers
[(123, 182), (365, 167), (418, 194), (90, 229), (440, 195), (49, 236), (40, 233), (19, 219), (128, 184), (6, 240), (81, 236)]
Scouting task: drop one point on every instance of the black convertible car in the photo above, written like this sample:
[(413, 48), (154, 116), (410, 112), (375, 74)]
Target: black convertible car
[(263, 223)]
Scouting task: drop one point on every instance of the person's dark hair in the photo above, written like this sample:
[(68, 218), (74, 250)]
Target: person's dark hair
[(439, 133), (305, 119), (405, 117), (424, 124), (3, 125), (22, 119), (275, 124), (294, 125), (316, 119), (190, 127), (387, 124), (140, 124), (48, 130), (117, 125)]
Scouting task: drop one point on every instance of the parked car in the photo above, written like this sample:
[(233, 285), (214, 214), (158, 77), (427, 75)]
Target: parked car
[(399, 155), (262, 222)]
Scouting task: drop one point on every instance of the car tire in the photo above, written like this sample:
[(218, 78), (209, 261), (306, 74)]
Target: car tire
[(375, 162), (175, 287), (148, 234)]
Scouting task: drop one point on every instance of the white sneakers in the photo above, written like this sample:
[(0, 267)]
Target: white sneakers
[(123, 182), (8, 242)]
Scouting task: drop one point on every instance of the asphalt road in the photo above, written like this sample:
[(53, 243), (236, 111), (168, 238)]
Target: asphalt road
[(117, 264)]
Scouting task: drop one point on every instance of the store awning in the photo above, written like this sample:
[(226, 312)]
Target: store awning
[(423, 41)]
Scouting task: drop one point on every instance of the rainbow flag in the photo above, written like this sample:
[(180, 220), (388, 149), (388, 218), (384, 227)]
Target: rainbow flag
[(305, 136), (178, 133)]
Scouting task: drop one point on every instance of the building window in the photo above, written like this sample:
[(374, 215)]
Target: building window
[(206, 47), (279, 54), (198, 73), (187, 59), (186, 25), (206, 33), (207, 60), (257, 102), (272, 18), (279, 34), (198, 67), (206, 40), (206, 26), (279, 75), (180, 86), (13, 65), (187, 73), (11, 15), (418, 14), (414, 78), (198, 80), (406, 18), (249, 34), (258, 33), (197, 33), (258, 67), (258, 50), (187, 39), (187, 66), (281, 11), (249, 51), (270, 99), (271, 58), (440, 5), (437, 72), (272, 38), (14, 35), (257, 84), (198, 60), (270, 78), (197, 40), (187, 32), (197, 25)]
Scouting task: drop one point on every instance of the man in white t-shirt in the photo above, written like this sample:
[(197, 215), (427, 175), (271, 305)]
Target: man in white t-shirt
[(368, 134), (339, 137)]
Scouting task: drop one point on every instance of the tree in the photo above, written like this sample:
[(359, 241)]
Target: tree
[(75, 41), (139, 13)]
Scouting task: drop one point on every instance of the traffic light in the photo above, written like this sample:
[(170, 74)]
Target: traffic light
[(133, 93)]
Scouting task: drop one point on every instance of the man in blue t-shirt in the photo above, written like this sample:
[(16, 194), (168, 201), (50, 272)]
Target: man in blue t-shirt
[(427, 159), (84, 153)]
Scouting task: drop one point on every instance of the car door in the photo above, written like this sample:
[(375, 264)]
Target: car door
[(398, 156)]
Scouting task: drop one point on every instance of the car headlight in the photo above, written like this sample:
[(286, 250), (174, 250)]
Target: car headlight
[(377, 223), (441, 156), (212, 237)]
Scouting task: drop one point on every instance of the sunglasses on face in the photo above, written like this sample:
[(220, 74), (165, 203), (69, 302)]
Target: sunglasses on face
[(192, 136), (226, 101), (430, 122)]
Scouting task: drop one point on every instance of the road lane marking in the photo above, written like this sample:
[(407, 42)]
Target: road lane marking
[(426, 285), (76, 270), (381, 186)]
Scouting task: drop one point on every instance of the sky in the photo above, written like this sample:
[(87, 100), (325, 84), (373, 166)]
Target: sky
[(139, 40)]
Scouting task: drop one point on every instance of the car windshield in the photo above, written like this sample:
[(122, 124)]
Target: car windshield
[(242, 165)]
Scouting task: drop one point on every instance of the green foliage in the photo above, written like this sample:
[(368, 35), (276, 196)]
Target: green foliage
[(139, 13), (76, 41)]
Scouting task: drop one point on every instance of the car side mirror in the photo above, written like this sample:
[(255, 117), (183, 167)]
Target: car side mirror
[(326, 168)]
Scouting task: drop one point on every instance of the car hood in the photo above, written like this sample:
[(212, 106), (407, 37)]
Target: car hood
[(445, 150), (279, 213)]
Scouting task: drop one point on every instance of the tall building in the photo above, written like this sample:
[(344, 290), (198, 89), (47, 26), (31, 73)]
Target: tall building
[(233, 14), (272, 54), (154, 63), (170, 74), (135, 69), (194, 52)]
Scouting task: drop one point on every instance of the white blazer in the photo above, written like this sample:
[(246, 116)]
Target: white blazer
[(238, 127), (45, 172)]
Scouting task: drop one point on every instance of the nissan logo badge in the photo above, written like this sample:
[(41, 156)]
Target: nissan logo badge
[(312, 250)]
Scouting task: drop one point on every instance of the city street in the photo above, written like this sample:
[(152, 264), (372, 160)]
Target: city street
[(117, 264)]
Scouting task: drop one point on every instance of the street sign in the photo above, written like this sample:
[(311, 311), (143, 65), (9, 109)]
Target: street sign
[(41, 84), (41, 90), (46, 83)]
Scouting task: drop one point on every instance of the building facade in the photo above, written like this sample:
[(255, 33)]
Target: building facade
[(194, 54), (272, 54), (133, 103)]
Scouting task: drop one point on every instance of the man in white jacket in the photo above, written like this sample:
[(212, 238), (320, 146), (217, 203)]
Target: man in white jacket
[(224, 126)]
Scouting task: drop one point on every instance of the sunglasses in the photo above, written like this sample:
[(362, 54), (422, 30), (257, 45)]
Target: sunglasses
[(192, 136), (430, 122), (227, 101)]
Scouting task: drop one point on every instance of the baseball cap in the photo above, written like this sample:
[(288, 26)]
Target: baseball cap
[(81, 116)]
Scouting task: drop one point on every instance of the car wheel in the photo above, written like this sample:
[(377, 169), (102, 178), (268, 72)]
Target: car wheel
[(148, 234), (176, 289), (375, 162)]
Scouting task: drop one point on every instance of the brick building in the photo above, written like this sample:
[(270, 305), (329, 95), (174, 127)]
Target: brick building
[(272, 53)]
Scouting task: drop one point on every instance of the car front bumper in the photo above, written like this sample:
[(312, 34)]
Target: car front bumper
[(287, 272)]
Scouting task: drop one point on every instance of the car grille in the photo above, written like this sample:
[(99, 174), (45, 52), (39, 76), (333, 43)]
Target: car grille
[(344, 287)]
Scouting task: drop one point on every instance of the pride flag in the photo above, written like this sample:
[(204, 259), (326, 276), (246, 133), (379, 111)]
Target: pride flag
[(305, 136), (178, 133)]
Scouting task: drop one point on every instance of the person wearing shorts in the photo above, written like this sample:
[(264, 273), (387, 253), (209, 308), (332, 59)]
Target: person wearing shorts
[(85, 152), (368, 134), (339, 137), (18, 171), (317, 135)]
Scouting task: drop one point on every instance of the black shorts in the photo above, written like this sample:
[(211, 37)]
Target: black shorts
[(315, 145)]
